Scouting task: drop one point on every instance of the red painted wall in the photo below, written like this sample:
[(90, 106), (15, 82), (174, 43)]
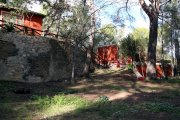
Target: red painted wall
[(31, 20), (108, 53), (34, 22)]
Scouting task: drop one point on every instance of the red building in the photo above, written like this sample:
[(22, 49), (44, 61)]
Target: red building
[(30, 21), (108, 54)]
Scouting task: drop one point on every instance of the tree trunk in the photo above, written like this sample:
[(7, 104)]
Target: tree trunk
[(151, 56), (87, 64), (91, 42), (74, 63), (177, 55), (152, 11)]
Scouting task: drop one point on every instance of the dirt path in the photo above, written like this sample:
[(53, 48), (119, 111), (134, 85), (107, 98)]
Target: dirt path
[(114, 85)]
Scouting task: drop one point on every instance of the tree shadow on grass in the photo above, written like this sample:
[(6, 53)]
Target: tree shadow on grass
[(136, 106), (170, 80), (121, 75), (19, 105), (139, 106), (142, 105)]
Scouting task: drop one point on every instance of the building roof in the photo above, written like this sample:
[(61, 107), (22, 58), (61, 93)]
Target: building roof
[(2, 5)]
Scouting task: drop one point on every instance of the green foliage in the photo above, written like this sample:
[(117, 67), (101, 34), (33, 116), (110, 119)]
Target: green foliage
[(9, 27), (5, 107), (108, 31), (128, 46), (103, 99), (76, 25), (21, 4), (6, 86), (141, 35), (130, 66), (3, 1), (158, 107), (121, 110), (135, 44), (106, 34), (175, 80), (71, 23), (115, 110), (63, 91), (170, 28)]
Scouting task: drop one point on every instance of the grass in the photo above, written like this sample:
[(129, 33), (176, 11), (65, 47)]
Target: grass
[(58, 104), (154, 100), (6, 86), (171, 80), (44, 102), (175, 80), (22, 106), (115, 87), (42, 105), (119, 110)]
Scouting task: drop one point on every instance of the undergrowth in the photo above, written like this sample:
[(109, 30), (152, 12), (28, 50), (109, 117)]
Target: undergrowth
[(44, 102)]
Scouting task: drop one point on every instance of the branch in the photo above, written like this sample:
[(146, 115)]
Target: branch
[(145, 7), (164, 16), (84, 2), (127, 4), (170, 24), (164, 21), (164, 3)]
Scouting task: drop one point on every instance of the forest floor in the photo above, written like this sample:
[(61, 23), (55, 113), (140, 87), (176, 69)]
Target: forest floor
[(108, 95)]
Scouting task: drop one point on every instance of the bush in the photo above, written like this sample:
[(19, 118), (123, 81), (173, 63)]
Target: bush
[(44, 102), (9, 27), (130, 66), (158, 107), (103, 100)]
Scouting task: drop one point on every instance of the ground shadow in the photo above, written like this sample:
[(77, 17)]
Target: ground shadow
[(139, 106), (134, 106)]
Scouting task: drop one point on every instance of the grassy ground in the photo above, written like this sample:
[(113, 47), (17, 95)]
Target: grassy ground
[(109, 95)]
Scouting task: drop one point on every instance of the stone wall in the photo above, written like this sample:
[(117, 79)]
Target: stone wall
[(36, 59)]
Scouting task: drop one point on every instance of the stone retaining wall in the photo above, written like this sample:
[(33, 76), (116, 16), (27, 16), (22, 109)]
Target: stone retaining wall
[(36, 59)]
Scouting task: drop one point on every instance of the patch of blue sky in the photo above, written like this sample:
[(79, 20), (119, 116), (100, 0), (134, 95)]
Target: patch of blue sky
[(35, 6), (135, 13)]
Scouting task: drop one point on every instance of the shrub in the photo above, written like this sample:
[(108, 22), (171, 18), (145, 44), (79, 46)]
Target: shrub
[(9, 27)]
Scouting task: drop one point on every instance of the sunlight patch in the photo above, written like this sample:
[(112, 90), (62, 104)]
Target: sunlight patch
[(58, 110), (121, 95)]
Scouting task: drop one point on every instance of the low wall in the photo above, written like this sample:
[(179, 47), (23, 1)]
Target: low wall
[(36, 59)]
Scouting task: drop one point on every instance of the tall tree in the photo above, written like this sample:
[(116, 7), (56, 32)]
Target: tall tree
[(79, 27), (89, 58), (175, 30), (134, 45), (3, 1), (129, 47), (171, 18), (109, 31), (152, 10), (141, 35)]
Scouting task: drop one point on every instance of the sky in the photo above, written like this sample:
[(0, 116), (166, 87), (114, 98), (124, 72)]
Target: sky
[(140, 18), (35, 7), (106, 13)]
